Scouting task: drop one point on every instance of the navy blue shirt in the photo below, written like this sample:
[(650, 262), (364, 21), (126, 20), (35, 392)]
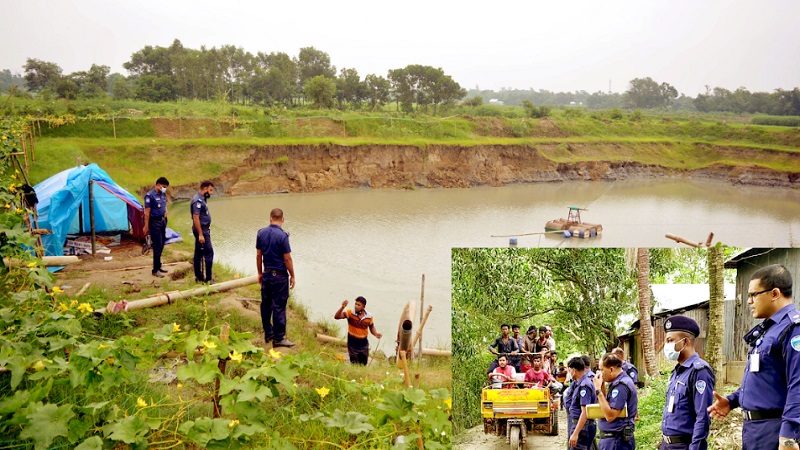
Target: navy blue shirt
[(631, 370), (582, 395), (621, 392), (199, 207), (273, 243), (688, 397), (157, 202), (776, 384)]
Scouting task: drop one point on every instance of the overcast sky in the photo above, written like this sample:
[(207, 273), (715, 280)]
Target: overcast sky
[(553, 45)]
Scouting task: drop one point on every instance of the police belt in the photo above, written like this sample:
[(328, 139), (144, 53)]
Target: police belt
[(763, 414), (614, 434), (680, 439)]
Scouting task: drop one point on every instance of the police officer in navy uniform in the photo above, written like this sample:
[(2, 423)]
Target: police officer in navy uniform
[(770, 391), (616, 433), (581, 430), (201, 228), (689, 392), (627, 366), (276, 275), (155, 221)]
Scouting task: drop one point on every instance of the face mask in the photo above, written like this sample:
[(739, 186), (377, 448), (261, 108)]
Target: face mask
[(670, 352), (206, 195)]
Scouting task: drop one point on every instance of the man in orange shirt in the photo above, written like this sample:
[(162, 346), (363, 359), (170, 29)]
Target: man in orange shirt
[(359, 324)]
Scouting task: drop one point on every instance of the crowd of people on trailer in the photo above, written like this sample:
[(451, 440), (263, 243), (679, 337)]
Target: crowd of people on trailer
[(531, 358)]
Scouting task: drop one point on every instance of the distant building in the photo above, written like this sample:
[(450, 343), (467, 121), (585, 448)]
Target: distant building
[(495, 101), (690, 300)]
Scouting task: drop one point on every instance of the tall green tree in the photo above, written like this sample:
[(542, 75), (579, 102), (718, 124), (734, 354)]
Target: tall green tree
[(41, 74), (321, 90), (376, 90), (312, 63), (349, 88), (647, 93)]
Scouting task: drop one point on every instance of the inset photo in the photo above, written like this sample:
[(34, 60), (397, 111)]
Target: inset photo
[(624, 348)]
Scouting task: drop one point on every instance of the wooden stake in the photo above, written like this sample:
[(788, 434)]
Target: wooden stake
[(224, 334), (421, 312), (404, 364), (418, 337), (114, 126)]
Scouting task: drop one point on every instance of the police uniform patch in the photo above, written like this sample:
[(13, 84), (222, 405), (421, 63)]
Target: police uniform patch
[(700, 386), (796, 343), (583, 392), (668, 325), (614, 393)]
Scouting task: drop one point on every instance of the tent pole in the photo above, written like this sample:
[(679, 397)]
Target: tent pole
[(91, 213)]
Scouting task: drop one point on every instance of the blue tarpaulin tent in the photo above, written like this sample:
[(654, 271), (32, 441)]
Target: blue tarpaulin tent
[(64, 206)]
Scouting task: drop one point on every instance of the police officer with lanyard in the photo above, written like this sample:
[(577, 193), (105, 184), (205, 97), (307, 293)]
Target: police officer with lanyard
[(276, 275), (581, 429), (616, 433), (770, 391), (689, 392), (155, 221), (201, 228)]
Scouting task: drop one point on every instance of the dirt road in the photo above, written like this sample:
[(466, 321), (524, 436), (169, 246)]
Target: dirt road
[(474, 439)]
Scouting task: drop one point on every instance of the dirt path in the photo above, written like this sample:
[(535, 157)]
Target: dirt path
[(475, 439)]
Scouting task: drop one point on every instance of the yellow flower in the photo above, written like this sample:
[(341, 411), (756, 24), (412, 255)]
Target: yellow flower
[(19, 211), (235, 356), (57, 290), (448, 402), (275, 354), (141, 403), (32, 264), (233, 423), (323, 391), (63, 307), (176, 328), (38, 366), (12, 188), (102, 346), (73, 303), (8, 206), (209, 344), (85, 308), (110, 360), (179, 386)]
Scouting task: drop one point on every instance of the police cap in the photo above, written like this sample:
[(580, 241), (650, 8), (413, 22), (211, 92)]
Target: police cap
[(682, 323)]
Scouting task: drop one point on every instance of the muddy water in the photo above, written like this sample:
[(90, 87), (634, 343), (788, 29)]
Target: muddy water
[(377, 243)]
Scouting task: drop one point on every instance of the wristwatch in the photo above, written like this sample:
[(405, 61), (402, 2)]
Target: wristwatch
[(785, 442), (597, 392)]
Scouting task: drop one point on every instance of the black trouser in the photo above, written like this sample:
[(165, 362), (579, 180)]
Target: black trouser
[(358, 355), (203, 253), (274, 296), (158, 236)]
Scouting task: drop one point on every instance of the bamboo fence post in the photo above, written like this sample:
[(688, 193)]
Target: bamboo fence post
[(421, 312), (224, 335)]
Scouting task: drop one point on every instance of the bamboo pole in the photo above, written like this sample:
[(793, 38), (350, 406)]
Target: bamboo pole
[(114, 126), (421, 312), (418, 337), (224, 335), (169, 297), (83, 289), (91, 217), (404, 364), (324, 338)]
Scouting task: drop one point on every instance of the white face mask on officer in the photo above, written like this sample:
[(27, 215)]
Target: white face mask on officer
[(670, 352)]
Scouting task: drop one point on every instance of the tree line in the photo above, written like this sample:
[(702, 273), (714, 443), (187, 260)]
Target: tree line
[(646, 93), (232, 74)]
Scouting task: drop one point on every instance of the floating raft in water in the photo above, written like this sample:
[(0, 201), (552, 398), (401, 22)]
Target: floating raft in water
[(573, 226)]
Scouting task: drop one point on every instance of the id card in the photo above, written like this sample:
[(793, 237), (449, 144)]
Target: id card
[(755, 362), (671, 406)]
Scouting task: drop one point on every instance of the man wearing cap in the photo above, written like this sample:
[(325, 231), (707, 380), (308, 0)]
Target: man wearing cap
[(770, 391), (580, 429), (627, 366), (689, 392), (155, 221)]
